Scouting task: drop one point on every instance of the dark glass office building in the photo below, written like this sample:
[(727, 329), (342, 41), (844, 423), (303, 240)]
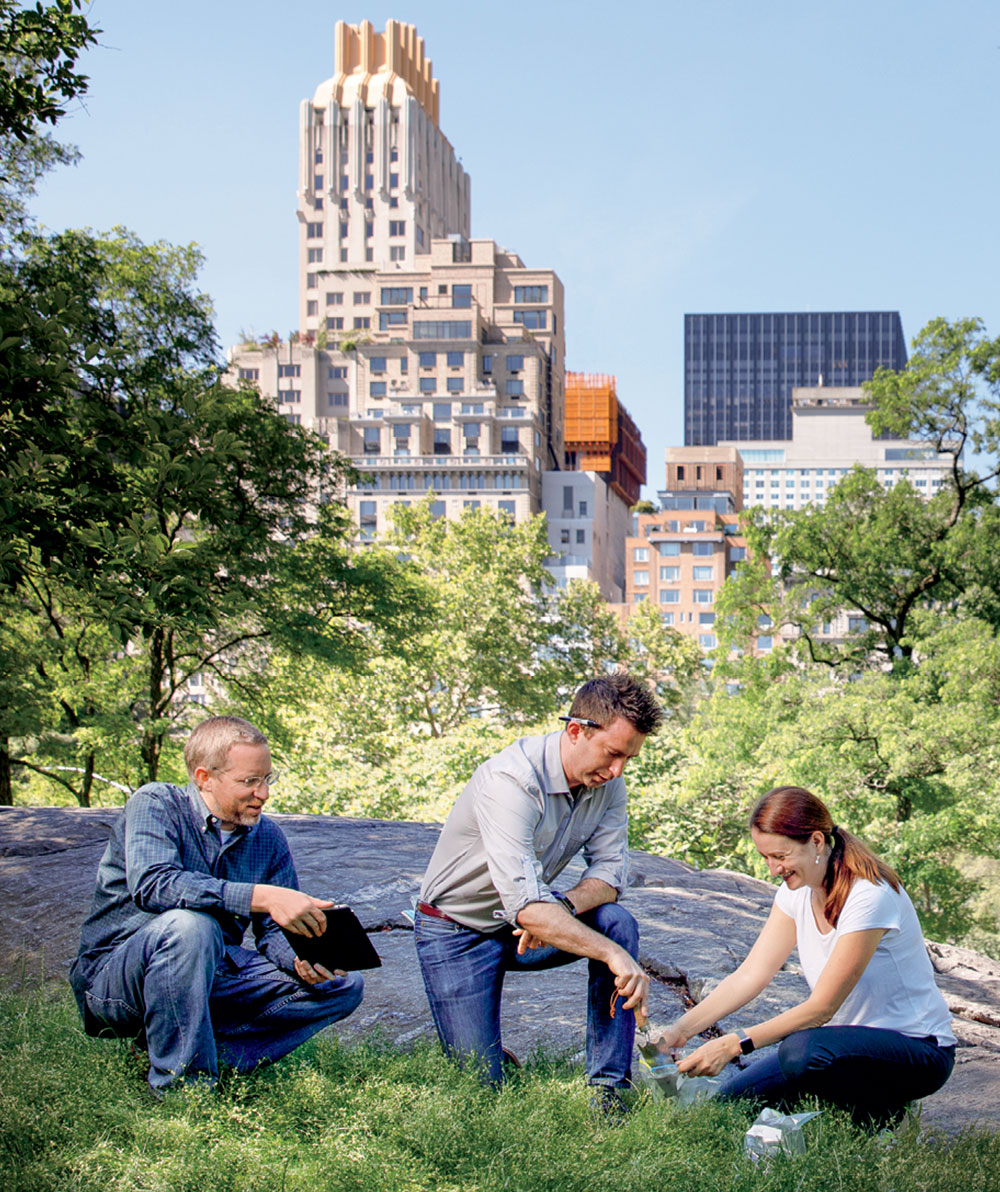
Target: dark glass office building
[(739, 370)]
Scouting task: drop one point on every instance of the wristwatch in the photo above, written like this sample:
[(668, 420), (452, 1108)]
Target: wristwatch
[(560, 897), (746, 1043)]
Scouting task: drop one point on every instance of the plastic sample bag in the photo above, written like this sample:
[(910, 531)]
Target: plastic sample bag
[(775, 1132)]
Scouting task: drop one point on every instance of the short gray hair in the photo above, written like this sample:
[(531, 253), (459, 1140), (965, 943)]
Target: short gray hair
[(211, 741)]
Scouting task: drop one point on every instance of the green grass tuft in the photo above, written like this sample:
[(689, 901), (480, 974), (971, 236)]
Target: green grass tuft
[(75, 1115)]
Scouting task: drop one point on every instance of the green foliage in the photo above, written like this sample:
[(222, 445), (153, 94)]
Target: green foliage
[(338, 1118)]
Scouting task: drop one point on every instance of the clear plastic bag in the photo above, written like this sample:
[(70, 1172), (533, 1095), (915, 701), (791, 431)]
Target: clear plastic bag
[(773, 1133)]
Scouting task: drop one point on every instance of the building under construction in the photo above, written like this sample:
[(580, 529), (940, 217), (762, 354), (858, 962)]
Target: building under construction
[(601, 437)]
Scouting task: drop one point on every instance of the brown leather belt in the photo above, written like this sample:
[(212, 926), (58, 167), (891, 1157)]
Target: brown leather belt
[(425, 908)]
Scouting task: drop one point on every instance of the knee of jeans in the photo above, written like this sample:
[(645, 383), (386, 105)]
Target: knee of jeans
[(350, 990), (800, 1052), (190, 931), (617, 924)]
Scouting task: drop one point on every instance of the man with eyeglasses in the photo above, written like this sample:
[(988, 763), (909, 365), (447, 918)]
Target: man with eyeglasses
[(488, 904), (186, 871)]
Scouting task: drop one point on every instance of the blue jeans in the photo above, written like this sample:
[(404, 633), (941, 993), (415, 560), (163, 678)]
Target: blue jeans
[(198, 1001), (870, 1072), (463, 973)]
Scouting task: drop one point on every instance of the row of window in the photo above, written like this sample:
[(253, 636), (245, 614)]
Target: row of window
[(368, 519), (469, 480), (641, 553), (672, 575)]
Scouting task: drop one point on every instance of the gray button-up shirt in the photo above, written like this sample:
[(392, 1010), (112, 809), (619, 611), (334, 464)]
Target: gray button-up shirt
[(513, 830)]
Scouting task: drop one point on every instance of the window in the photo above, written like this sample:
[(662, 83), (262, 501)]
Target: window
[(312, 308), (737, 554), (289, 370), (703, 548), (702, 595), (397, 295), (310, 281), (442, 440), (314, 231), (289, 395), (394, 177), (362, 324), (670, 548), (377, 364), (362, 298), (765, 643), (564, 537), (338, 372), (455, 384), (317, 204), (294, 419), (344, 182), (368, 519), (336, 399), (667, 618), (507, 507), (376, 389), (369, 181), (515, 363), (369, 228), (249, 374), (670, 575), (706, 618), (515, 387), (455, 359), (372, 440), (317, 182), (531, 293), (583, 508), (581, 537), (640, 578), (428, 385), (334, 324), (397, 252), (509, 442), (397, 227), (314, 256), (442, 411), (335, 298), (534, 320), (487, 364), (670, 596), (391, 318), (706, 641), (640, 554), (343, 231), (703, 573), (856, 624), (442, 330), (764, 621), (428, 359), (461, 296)]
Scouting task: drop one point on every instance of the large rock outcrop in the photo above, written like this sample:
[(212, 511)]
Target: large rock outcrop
[(696, 926)]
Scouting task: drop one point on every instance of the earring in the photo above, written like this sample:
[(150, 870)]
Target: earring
[(817, 858)]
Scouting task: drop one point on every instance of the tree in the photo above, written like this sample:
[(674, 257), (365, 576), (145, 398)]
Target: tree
[(887, 554), (205, 531), (672, 663), (485, 650)]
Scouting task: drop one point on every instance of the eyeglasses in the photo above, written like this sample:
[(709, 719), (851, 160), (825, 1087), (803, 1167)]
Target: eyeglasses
[(252, 783), (581, 720)]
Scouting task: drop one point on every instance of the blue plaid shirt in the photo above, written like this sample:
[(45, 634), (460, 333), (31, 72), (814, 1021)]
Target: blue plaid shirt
[(166, 852)]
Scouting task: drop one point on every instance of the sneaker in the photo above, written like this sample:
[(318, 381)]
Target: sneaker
[(608, 1105)]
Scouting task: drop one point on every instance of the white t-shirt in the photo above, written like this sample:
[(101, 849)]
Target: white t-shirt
[(896, 991)]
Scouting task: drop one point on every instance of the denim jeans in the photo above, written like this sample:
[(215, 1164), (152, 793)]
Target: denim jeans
[(870, 1072), (198, 1001), (463, 973)]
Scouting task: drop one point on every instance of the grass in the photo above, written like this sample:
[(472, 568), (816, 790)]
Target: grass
[(74, 1115)]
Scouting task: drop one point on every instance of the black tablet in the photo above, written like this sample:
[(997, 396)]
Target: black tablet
[(343, 945)]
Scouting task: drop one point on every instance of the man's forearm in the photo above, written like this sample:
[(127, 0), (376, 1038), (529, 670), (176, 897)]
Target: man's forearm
[(591, 892), (556, 927)]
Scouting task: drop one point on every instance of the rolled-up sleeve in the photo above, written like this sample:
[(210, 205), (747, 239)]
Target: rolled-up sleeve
[(606, 849), (507, 816)]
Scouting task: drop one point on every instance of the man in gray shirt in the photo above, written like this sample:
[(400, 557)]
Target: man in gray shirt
[(487, 904)]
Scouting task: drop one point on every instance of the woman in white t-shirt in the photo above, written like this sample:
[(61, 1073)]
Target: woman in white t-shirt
[(874, 1032)]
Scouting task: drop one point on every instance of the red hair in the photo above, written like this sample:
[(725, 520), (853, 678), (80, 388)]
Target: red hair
[(796, 813)]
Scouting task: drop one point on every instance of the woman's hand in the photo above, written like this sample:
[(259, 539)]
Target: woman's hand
[(711, 1057), (670, 1040)]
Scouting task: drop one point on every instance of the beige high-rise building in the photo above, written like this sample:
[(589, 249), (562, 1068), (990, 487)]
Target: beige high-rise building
[(434, 362)]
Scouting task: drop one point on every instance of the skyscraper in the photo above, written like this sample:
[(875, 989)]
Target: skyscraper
[(740, 369)]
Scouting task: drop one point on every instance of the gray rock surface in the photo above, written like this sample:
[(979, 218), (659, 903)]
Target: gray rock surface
[(696, 926)]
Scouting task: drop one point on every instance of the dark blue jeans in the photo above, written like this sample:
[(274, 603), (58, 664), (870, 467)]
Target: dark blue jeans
[(199, 1001), (463, 973), (870, 1072)]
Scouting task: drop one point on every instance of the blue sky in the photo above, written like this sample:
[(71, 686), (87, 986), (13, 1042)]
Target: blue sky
[(668, 158)]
